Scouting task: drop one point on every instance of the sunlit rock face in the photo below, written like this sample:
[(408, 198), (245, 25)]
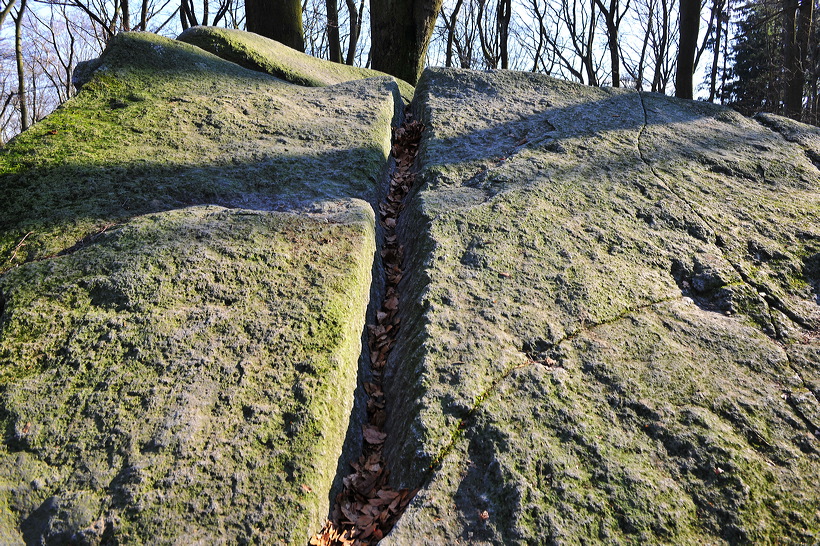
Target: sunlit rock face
[(610, 325), (187, 250), (610, 328)]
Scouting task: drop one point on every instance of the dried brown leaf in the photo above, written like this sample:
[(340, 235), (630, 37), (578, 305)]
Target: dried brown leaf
[(379, 418), (349, 513), (388, 495)]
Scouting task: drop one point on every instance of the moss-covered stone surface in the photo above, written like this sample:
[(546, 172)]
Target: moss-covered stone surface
[(609, 322), (186, 251), (259, 53)]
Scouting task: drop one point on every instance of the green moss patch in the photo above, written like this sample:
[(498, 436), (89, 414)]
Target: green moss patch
[(259, 53), (186, 252), (163, 124), (593, 343), (192, 372)]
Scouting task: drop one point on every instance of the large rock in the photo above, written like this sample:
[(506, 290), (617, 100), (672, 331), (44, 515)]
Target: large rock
[(186, 263), (609, 322), (609, 312)]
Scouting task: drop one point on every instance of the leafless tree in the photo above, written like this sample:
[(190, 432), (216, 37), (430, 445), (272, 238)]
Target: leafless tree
[(19, 61), (613, 12), (648, 55), (576, 53), (535, 44)]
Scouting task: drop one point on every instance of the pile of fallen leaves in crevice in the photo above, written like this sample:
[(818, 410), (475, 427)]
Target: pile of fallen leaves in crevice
[(367, 508)]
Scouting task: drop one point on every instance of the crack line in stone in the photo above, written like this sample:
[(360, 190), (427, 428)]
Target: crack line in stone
[(768, 298), (480, 399), (771, 301), (814, 428)]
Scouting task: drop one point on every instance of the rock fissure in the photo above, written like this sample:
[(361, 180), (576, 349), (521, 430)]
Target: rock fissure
[(535, 360), (810, 425), (770, 299), (159, 380), (368, 507), (789, 396)]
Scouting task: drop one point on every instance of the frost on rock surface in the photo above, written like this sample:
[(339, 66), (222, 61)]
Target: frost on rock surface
[(611, 327)]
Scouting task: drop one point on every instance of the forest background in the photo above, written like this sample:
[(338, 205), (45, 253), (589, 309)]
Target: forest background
[(753, 55)]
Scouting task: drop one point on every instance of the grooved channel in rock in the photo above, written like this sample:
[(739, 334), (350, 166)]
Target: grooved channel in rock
[(368, 507)]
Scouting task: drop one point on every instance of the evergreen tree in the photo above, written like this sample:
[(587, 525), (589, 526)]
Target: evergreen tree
[(758, 59)]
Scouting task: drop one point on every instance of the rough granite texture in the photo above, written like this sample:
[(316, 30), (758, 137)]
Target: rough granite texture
[(259, 53), (185, 264), (610, 310), (609, 320)]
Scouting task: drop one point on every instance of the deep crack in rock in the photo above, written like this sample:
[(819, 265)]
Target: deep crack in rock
[(368, 507)]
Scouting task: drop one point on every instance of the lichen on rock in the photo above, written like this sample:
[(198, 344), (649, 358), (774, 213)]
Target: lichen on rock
[(607, 328), (259, 53), (186, 251), (605, 312)]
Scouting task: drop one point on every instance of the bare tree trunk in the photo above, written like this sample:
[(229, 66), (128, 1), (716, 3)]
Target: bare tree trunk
[(186, 11), (144, 16), (725, 72), (334, 44), (805, 23), (592, 78), (400, 33), (613, 52), (797, 26), (489, 52), (644, 46), (503, 15), (718, 10), (612, 20), (542, 36), (126, 15), (791, 56), (183, 18), (687, 45), (658, 80), (280, 20), (355, 29), (451, 33), (21, 74)]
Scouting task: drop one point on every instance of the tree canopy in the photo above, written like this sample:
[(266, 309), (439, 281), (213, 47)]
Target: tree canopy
[(756, 55)]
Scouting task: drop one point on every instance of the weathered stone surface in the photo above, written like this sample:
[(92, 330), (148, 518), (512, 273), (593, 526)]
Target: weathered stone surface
[(186, 253), (609, 323), (259, 53), (165, 125)]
